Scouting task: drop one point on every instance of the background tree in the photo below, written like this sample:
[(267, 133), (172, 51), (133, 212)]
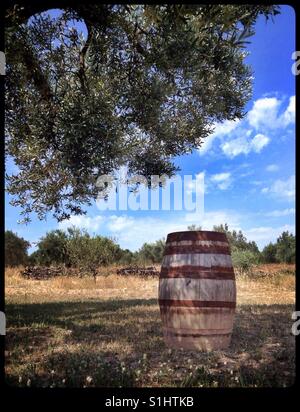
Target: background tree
[(269, 253), (194, 227), (76, 248), (286, 248), (145, 84), (52, 249), (283, 251), (152, 252), (89, 252), (15, 249), (34, 259), (127, 257), (245, 254), (237, 240)]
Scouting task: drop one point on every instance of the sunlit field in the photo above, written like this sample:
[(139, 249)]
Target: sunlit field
[(81, 332)]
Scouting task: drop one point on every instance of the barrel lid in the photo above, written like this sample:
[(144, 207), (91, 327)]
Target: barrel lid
[(197, 235)]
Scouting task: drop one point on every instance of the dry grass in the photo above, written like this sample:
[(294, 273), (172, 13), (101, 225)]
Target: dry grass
[(19, 289), (78, 332)]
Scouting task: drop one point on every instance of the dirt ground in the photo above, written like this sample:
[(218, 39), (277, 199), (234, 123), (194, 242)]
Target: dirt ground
[(79, 332)]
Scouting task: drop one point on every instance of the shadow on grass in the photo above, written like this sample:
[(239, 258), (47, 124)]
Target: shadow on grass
[(123, 321), (31, 312), (262, 344)]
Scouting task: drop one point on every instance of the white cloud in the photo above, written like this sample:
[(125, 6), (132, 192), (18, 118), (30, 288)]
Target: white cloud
[(214, 218), (264, 113), (222, 180), (220, 177), (226, 127), (282, 189), (149, 229), (289, 115), (263, 235), (82, 222), (283, 212), (136, 231), (235, 147), (119, 223), (196, 185), (272, 168), (132, 232), (221, 129), (259, 142)]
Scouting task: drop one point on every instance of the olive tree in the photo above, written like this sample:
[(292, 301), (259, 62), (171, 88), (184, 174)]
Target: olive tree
[(139, 86)]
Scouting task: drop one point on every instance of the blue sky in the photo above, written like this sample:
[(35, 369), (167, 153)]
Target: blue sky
[(248, 166)]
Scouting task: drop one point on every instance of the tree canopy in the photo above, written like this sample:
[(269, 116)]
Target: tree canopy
[(15, 249), (237, 240), (76, 248), (152, 252), (285, 248), (144, 84)]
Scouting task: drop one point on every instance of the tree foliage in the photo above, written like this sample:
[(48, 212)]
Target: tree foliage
[(243, 260), (15, 249), (283, 251), (237, 240), (194, 227), (152, 252), (90, 252), (269, 253), (76, 248), (286, 248), (52, 249), (145, 84)]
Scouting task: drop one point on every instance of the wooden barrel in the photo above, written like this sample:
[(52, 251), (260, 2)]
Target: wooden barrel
[(197, 291)]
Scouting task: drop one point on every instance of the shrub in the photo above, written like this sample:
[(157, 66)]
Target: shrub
[(151, 252), (127, 257), (15, 249), (244, 260), (90, 252), (76, 248), (269, 253), (52, 250)]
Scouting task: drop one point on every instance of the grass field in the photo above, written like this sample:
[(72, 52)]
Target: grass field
[(77, 332)]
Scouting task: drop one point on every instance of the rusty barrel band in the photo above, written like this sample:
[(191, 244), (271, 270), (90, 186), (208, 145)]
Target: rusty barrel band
[(194, 235), (218, 250), (166, 303), (185, 310), (202, 271), (167, 274)]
